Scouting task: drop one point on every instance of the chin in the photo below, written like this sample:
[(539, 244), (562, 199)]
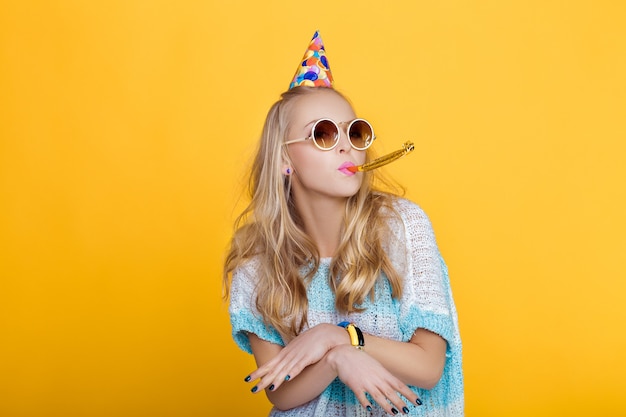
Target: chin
[(351, 193)]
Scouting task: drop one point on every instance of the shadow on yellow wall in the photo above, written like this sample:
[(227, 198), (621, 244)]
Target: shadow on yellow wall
[(125, 129)]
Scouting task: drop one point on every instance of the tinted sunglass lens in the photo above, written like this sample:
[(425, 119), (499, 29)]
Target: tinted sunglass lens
[(325, 134), (361, 134)]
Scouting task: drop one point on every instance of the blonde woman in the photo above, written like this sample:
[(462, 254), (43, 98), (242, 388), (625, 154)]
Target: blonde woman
[(339, 290)]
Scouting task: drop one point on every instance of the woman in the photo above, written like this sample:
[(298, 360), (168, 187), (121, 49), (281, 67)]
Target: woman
[(318, 247)]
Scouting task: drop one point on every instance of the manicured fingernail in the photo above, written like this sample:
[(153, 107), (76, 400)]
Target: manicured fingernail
[(247, 379), (405, 410), (254, 388), (369, 408), (394, 411), (418, 402), (271, 387), (288, 377)]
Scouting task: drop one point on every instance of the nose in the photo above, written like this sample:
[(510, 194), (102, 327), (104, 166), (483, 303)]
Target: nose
[(343, 144)]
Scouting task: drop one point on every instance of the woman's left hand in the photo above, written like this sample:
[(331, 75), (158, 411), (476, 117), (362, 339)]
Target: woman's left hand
[(365, 375)]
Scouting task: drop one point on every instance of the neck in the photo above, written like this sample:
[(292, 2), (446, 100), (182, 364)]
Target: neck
[(323, 221)]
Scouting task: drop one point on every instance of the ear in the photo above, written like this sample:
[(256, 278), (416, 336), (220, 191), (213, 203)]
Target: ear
[(286, 167)]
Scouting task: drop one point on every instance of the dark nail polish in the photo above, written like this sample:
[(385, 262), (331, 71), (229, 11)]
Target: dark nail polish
[(369, 408), (247, 379), (254, 388), (287, 378), (271, 387), (418, 402), (394, 411), (405, 410)]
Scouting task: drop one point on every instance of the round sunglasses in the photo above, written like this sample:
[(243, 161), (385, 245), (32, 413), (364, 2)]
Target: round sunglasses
[(325, 134)]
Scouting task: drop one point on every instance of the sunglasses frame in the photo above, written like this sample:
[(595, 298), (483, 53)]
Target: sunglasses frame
[(350, 123)]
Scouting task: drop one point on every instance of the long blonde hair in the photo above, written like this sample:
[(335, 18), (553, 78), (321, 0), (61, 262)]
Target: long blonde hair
[(270, 231)]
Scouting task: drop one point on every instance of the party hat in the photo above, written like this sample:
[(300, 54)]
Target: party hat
[(313, 70)]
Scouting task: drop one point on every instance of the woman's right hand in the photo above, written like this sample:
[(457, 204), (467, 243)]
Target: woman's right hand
[(306, 349), (364, 374)]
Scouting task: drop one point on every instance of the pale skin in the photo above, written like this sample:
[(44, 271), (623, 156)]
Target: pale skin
[(313, 359)]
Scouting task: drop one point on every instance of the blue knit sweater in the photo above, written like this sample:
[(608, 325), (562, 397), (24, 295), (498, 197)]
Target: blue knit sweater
[(426, 303)]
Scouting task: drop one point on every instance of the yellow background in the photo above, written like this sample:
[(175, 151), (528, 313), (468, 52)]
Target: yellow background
[(125, 129)]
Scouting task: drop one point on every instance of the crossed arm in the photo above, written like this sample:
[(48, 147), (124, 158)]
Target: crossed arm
[(311, 361)]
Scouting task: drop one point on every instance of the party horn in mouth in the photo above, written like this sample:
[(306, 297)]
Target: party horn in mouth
[(384, 160)]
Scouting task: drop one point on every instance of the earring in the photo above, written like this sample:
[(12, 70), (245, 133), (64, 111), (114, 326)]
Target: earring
[(288, 171)]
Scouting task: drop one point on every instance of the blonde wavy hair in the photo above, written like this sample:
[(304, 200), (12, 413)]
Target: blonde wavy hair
[(270, 231)]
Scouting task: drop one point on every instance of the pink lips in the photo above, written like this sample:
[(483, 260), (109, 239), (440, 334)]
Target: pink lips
[(344, 168)]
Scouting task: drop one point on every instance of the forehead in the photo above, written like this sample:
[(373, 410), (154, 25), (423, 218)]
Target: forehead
[(324, 103)]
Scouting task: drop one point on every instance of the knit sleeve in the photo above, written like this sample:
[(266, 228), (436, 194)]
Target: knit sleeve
[(427, 298), (244, 317), (427, 301)]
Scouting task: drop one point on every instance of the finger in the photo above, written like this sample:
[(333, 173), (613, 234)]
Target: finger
[(273, 379), (258, 373), (410, 395), (276, 382), (362, 398), (398, 403), (292, 370), (260, 379), (267, 381), (286, 373), (279, 367), (266, 371), (382, 400)]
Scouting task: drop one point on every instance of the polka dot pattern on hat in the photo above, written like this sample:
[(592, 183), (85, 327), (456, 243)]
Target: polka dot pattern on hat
[(313, 70)]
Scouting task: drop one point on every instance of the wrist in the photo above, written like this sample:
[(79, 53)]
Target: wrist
[(355, 334), (334, 335), (336, 355), (339, 336)]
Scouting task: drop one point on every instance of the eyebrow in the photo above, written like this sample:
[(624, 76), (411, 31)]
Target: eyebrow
[(328, 118)]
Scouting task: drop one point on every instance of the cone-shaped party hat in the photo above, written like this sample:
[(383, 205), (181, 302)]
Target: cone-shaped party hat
[(313, 70)]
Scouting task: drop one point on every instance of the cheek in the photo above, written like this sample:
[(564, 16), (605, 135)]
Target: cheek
[(303, 159)]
